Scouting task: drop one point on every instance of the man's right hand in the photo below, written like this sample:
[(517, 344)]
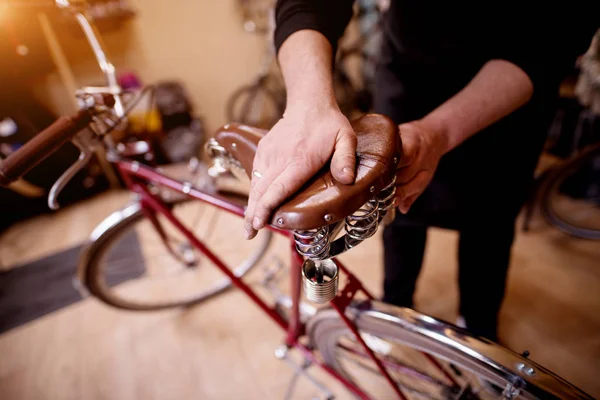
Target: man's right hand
[(307, 137)]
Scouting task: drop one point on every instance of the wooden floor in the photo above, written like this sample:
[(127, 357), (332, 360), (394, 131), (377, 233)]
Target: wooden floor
[(224, 348)]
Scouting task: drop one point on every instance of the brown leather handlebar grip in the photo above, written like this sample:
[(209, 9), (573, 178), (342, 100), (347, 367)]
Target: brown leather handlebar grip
[(41, 146)]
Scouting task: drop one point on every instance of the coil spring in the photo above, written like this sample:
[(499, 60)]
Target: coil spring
[(386, 198), (313, 243), (320, 280), (362, 224)]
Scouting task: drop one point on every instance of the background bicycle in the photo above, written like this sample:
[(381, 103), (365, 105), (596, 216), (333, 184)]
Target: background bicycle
[(567, 190)]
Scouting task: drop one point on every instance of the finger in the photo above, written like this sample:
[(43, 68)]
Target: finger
[(400, 195), (414, 187), (406, 174), (258, 187), (409, 146), (343, 162), (257, 193), (286, 184), (405, 206)]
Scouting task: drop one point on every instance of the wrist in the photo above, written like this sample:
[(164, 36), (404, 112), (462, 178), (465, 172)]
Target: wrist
[(440, 130), (311, 103), (319, 97)]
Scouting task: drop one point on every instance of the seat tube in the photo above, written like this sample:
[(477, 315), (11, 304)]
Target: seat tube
[(295, 271)]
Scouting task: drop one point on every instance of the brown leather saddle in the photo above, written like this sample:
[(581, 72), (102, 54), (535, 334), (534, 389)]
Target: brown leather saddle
[(323, 200)]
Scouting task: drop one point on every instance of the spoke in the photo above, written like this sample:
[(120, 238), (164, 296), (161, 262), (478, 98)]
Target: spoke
[(199, 214), (403, 368), (392, 362), (212, 224), (399, 384)]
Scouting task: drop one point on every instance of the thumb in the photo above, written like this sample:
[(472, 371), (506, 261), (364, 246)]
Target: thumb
[(343, 162), (409, 145)]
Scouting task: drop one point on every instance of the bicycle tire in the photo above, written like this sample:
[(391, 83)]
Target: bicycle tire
[(112, 229), (551, 186), (422, 333), (235, 113)]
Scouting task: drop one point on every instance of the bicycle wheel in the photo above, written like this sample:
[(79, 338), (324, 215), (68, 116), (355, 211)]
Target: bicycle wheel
[(254, 105), (157, 274), (570, 196), (427, 358)]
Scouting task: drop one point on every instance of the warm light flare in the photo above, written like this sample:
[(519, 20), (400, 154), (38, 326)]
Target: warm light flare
[(3, 10)]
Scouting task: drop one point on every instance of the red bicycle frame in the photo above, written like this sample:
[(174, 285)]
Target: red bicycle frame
[(136, 177)]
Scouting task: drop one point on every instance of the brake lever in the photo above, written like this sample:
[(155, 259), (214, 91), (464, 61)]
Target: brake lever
[(85, 142)]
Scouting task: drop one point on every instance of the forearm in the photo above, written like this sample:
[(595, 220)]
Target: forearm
[(305, 62), (497, 90)]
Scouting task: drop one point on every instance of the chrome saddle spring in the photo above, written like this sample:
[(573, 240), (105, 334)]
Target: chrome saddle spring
[(386, 198), (362, 224), (313, 243)]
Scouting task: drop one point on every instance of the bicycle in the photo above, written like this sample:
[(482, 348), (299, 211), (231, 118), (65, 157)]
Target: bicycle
[(569, 195), (346, 327), (568, 192), (260, 103)]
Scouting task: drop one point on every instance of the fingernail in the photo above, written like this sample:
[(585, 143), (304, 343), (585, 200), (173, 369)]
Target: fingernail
[(347, 171), (249, 233), (257, 223)]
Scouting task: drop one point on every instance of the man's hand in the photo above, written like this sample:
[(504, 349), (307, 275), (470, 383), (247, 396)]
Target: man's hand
[(499, 88), (422, 148), (296, 148), (311, 133)]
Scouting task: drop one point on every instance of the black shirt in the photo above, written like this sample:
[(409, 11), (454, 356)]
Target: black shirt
[(544, 42), (432, 49)]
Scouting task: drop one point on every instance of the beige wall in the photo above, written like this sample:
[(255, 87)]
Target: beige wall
[(199, 42)]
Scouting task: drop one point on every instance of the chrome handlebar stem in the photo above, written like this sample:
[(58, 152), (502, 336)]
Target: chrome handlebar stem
[(88, 140), (106, 66)]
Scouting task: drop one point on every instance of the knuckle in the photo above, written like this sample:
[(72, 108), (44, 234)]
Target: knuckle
[(263, 209), (348, 157), (350, 136), (279, 190), (257, 191)]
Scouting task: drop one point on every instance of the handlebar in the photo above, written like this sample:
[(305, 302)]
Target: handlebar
[(42, 145)]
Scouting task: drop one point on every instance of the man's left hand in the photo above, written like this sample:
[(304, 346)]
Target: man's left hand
[(422, 147)]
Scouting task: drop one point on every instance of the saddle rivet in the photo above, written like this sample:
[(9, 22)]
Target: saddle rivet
[(233, 145), (372, 189), (279, 221), (327, 217), (395, 160)]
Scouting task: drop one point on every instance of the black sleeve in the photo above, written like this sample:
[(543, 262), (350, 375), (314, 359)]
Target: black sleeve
[(546, 50), (329, 17)]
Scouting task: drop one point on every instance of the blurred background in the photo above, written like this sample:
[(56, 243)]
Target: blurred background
[(210, 63)]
